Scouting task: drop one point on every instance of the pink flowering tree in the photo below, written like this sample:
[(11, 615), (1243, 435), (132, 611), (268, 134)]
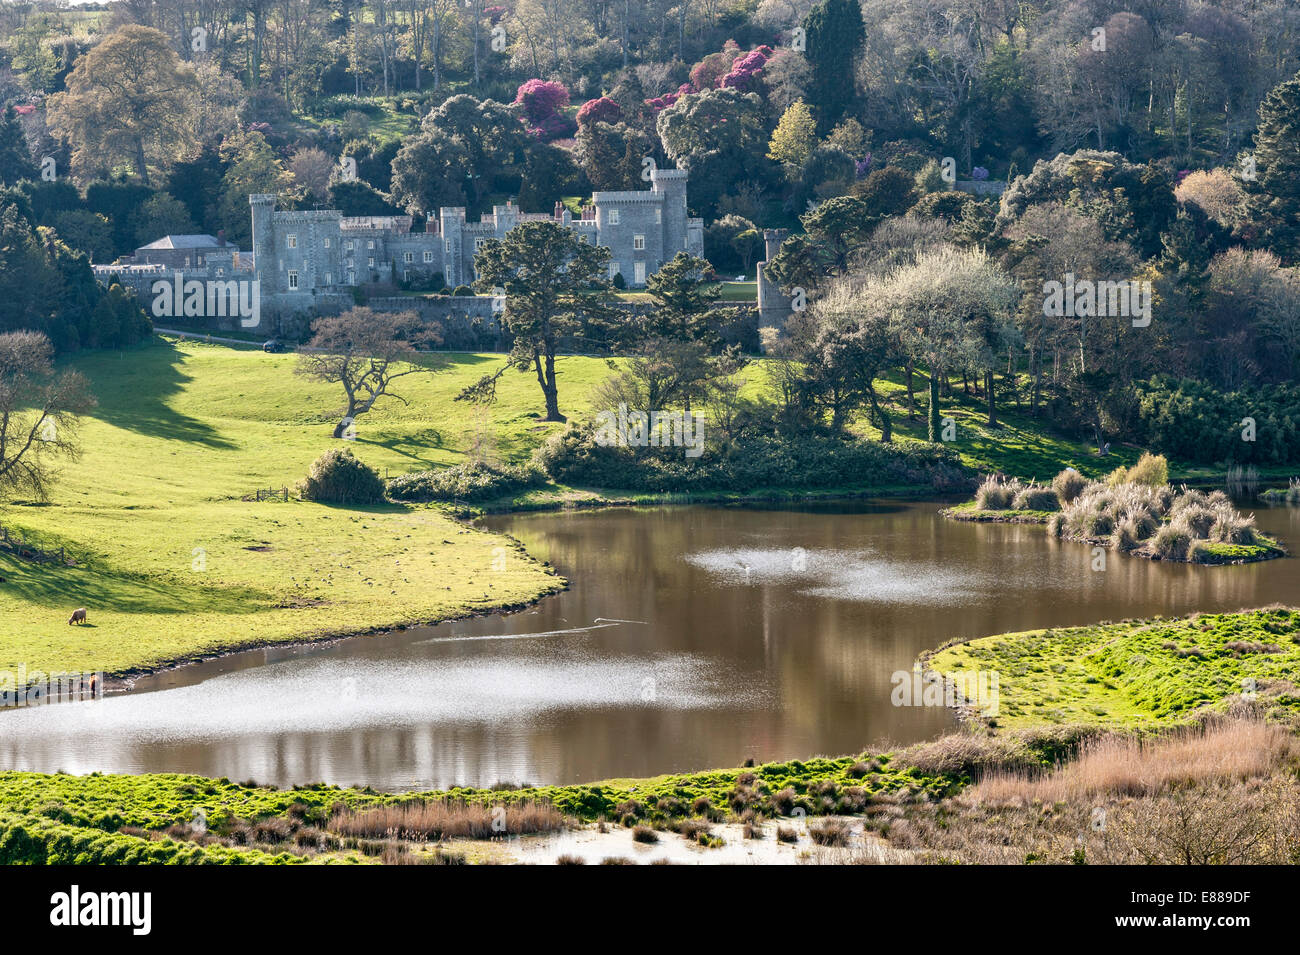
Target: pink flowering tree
[(708, 73), (746, 70), (603, 110), (542, 101)]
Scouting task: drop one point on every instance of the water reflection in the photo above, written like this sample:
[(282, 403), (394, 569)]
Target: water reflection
[(691, 638)]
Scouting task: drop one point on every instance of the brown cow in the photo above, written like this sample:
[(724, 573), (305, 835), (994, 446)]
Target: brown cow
[(78, 616)]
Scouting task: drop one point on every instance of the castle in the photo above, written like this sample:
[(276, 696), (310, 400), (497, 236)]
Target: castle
[(310, 260)]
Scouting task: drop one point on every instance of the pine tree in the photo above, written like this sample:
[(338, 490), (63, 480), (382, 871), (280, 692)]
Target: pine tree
[(1273, 192), (834, 32), (15, 160)]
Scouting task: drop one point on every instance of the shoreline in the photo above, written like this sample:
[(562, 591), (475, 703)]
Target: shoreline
[(121, 682)]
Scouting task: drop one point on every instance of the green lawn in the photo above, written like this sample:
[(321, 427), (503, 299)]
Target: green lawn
[(1143, 672), (170, 562)]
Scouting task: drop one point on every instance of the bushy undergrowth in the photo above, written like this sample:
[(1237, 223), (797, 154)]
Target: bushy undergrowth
[(1193, 421), (574, 457), (472, 481), (338, 477)]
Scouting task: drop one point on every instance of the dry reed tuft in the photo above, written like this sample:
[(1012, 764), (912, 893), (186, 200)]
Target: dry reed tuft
[(1124, 766), (443, 819)]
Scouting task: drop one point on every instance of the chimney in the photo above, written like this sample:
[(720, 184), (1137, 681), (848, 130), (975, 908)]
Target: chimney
[(221, 238), (559, 210)]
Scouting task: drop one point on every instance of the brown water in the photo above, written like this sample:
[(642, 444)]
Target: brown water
[(690, 638)]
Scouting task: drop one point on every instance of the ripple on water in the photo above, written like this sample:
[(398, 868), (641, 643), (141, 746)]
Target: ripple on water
[(330, 694), (858, 575)]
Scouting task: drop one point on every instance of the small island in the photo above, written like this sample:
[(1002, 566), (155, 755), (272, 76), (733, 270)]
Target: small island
[(1133, 509)]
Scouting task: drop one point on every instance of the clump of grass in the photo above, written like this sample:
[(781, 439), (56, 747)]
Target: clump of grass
[(786, 834), (830, 832), (1121, 765), (644, 834), (996, 493), (443, 819), (567, 859), (1035, 497), (783, 801), (1068, 485), (1172, 542), (1230, 527)]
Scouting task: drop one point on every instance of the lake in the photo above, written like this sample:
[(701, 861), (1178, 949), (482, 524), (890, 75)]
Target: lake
[(690, 638)]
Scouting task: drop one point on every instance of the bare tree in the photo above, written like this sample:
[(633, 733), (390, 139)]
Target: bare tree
[(364, 351), (38, 413)]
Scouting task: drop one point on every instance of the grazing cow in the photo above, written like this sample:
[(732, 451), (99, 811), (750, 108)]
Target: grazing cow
[(78, 616)]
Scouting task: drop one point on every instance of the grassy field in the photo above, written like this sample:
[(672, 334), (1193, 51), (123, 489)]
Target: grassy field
[(170, 562), (1138, 673)]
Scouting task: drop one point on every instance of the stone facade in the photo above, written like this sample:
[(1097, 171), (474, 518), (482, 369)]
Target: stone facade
[(310, 261), (303, 256)]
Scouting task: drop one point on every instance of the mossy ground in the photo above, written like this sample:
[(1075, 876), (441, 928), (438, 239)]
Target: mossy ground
[(1139, 673)]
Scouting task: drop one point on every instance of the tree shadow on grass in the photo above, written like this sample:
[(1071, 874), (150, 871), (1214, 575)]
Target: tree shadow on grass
[(101, 589), (412, 446), (133, 388)]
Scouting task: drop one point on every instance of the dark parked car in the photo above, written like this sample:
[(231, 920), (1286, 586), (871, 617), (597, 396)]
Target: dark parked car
[(273, 346)]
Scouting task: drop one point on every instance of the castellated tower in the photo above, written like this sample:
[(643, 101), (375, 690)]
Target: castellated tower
[(671, 184), (773, 307), (264, 241)]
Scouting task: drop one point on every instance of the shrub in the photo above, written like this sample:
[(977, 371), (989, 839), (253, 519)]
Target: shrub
[(1068, 485), (464, 482), (755, 461), (338, 477), (619, 282), (462, 290), (1151, 470), (644, 834), (1193, 421)]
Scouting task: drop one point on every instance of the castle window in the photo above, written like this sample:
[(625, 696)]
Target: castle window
[(327, 242), (370, 243), (450, 246), (613, 270), (200, 260), (370, 262), (292, 240), (428, 255), (352, 278), (478, 244), (638, 242), (659, 217), (638, 273), (349, 245), (406, 273), (329, 278), (220, 272), (408, 257), (293, 280), (613, 217)]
